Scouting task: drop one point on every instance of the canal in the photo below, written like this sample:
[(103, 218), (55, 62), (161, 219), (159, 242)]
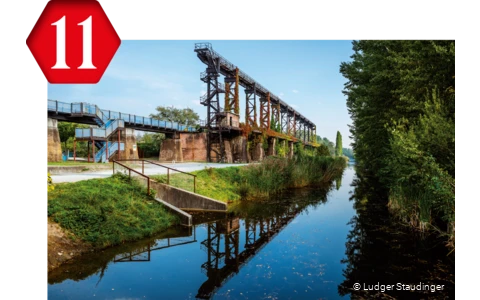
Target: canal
[(308, 243)]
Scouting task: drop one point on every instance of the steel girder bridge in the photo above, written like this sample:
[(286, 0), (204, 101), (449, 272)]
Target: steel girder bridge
[(292, 123)]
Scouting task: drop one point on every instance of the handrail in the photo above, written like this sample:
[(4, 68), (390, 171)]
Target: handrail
[(168, 170), (104, 115), (130, 174)]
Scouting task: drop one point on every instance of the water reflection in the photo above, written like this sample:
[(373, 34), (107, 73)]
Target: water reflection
[(218, 246), (381, 250), (226, 256)]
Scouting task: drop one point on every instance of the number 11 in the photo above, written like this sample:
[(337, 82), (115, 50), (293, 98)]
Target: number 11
[(87, 44)]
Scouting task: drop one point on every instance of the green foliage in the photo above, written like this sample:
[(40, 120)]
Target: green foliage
[(323, 150), (149, 144), (66, 131), (338, 145), (185, 116), (50, 185), (105, 212), (275, 126), (270, 176), (401, 98)]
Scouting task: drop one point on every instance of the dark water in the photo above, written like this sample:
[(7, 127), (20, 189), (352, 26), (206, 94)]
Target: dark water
[(305, 244)]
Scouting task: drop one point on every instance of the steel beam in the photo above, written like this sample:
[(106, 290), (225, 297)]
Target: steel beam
[(265, 112), (232, 94), (251, 107)]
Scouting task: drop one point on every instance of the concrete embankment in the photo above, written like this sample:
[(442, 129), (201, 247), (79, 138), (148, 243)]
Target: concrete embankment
[(179, 201)]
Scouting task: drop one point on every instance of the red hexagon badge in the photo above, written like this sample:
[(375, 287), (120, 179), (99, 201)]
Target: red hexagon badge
[(73, 41)]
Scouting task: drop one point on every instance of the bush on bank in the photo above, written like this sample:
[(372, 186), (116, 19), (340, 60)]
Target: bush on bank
[(107, 212), (261, 180)]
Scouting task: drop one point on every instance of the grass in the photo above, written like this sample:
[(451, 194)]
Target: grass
[(217, 183), (260, 180), (107, 212)]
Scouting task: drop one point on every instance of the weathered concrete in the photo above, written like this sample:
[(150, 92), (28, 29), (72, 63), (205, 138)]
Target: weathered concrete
[(239, 149), (54, 144), (186, 200), (185, 218), (231, 120), (194, 146), (131, 150), (171, 150), (228, 151), (290, 149), (258, 153), (271, 146)]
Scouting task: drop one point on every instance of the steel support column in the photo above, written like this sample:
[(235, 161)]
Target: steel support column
[(276, 114), (232, 94), (251, 107), (214, 112), (265, 112), (292, 124), (284, 120)]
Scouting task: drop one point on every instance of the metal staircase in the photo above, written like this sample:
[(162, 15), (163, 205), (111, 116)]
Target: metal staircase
[(100, 136)]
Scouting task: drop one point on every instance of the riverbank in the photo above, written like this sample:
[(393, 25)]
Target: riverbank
[(258, 181), (99, 213)]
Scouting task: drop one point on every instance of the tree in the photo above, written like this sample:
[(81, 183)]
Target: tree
[(66, 130), (401, 99), (149, 144), (338, 146), (185, 116)]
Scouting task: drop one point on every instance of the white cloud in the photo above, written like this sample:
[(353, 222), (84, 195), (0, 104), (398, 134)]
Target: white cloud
[(281, 94), (196, 102), (294, 106), (295, 91)]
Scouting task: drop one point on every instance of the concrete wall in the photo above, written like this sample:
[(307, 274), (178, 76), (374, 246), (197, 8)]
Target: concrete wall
[(171, 150), (54, 145), (239, 149), (194, 146), (271, 146), (131, 150), (186, 200), (257, 152), (290, 149), (185, 218), (231, 120)]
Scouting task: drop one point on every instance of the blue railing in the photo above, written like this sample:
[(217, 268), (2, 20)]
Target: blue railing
[(101, 155), (105, 115), (104, 133)]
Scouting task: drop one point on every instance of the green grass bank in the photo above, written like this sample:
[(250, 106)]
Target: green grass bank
[(260, 180), (107, 212)]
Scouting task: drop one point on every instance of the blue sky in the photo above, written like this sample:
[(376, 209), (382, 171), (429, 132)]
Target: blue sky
[(147, 74)]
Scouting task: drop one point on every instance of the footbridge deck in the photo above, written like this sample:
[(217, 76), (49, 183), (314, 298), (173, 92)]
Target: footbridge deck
[(91, 114)]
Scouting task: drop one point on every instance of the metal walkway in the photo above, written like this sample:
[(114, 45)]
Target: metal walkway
[(86, 113)]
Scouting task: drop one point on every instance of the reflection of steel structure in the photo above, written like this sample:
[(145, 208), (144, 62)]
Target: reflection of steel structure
[(224, 258), (143, 254)]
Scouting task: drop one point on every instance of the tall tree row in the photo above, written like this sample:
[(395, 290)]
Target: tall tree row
[(401, 98)]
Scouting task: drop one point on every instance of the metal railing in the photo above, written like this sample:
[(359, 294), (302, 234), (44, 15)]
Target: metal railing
[(245, 78), (160, 165), (105, 115), (101, 155), (130, 170)]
